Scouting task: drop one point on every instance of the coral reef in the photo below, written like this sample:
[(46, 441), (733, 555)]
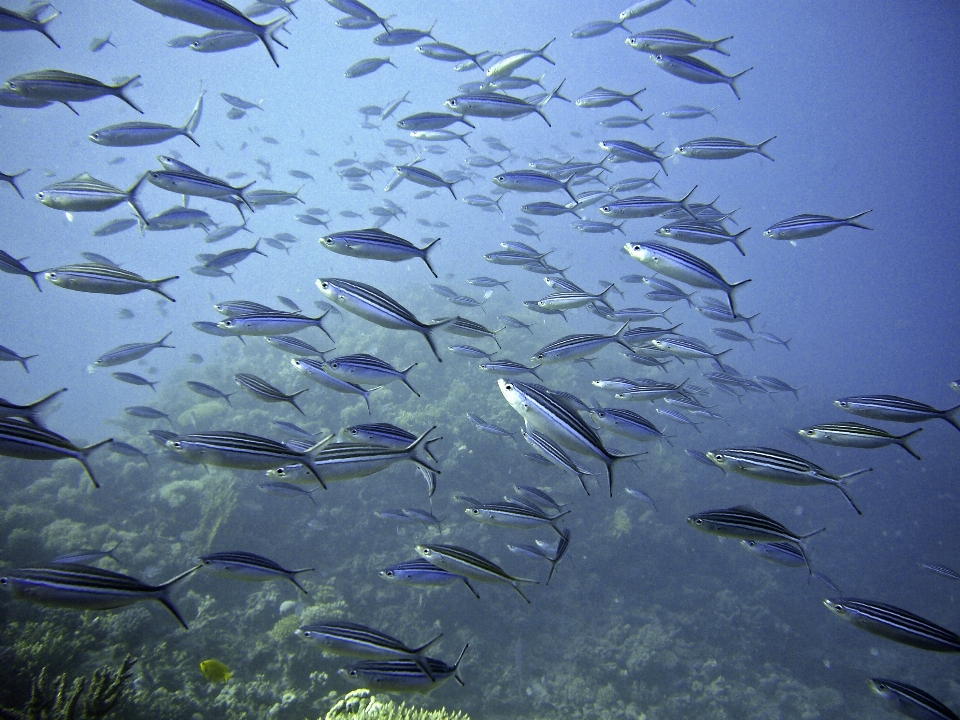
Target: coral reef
[(363, 704)]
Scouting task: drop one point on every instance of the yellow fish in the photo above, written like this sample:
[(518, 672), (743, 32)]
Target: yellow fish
[(215, 671)]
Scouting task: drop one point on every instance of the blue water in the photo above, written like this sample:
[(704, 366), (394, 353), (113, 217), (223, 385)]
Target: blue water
[(650, 620)]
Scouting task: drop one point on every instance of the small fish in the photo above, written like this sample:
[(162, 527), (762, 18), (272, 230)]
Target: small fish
[(942, 570), (286, 489), (896, 409), (87, 556), (263, 390), (695, 70), (215, 671), (242, 565), (96, 278), (134, 379), (208, 390), (469, 564), (423, 572), (65, 87), (800, 227), (130, 352), (910, 700), (851, 434), (11, 20), (894, 623)]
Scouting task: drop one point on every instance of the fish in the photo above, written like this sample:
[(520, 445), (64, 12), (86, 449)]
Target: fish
[(86, 587), (260, 388), (402, 675), (376, 244), (226, 448), (465, 562), (208, 390), (356, 9), (65, 87), (896, 409), (134, 379), (720, 148), (446, 52), (894, 623), (86, 556), (644, 7), (683, 266), (28, 441), (367, 66), (424, 177), (910, 700), (147, 413), (941, 570), (200, 185), (84, 193), (11, 180), (8, 355), (316, 370), (851, 434), (218, 15), (431, 121), (130, 352), (596, 29), (781, 552), (601, 97), (271, 323), (359, 641), (572, 347), (513, 60), (696, 70), (496, 105), (512, 515), (215, 671), (765, 463), (629, 151), (745, 523), (241, 565), (96, 278), (385, 435), (702, 234), (689, 112), (393, 38), (674, 42), (137, 134), (367, 369), (627, 424), (553, 416), (800, 227), (295, 346), (13, 21), (423, 572), (377, 307)]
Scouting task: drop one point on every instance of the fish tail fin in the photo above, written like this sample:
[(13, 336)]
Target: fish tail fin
[(811, 534), (42, 405), (733, 288), (12, 180), (118, 91), (23, 361), (733, 80), (542, 50), (428, 334), (161, 341), (683, 200), (292, 400), (715, 46), (43, 23), (760, 149), (293, 578), (84, 452), (417, 651), (849, 499), (163, 594), (403, 376), (736, 243), (902, 442), (267, 37), (633, 99), (619, 337), (850, 220), (456, 666), (646, 121), (951, 416), (422, 441), (157, 286), (132, 200), (561, 551)]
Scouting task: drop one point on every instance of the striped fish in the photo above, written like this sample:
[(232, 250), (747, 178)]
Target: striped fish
[(575, 299), (629, 151), (911, 700), (130, 352), (512, 515), (689, 348), (348, 461), (360, 641), (14, 266), (468, 328), (85, 587), (219, 15), (260, 388), (780, 552), (376, 244), (679, 417), (423, 572), (367, 369), (402, 675), (643, 206), (572, 347), (800, 227), (683, 266), (105, 279), (777, 385), (674, 42), (316, 371), (239, 450), (851, 434), (65, 87), (271, 323), (508, 368), (894, 623), (543, 550), (702, 234), (601, 97), (942, 570), (295, 346), (555, 417), (494, 105), (242, 565), (896, 409), (695, 70), (208, 390), (745, 523), (468, 563), (31, 442), (720, 148), (651, 390), (233, 308), (377, 307), (486, 427), (627, 423), (777, 466), (422, 176)]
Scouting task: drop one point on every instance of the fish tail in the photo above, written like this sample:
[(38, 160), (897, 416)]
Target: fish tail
[(43, 23), (902, 442), (951, 416), (543, 49), (683, 200), (646, 121), (736, 242), (41, 405), (734, 287), (428, 334), (118, 91), (12, 180), (760, 147), (266, 35), (156, 286), (849, 499), (403, 376), (733, 80), (293, 578), (716, 45), (850, 220), (163, 594), (161, 340), (426, 448), (811, 534), (417, 651), (633, 99), (86, 465), (23, 361), (416, 444), (294, 402)]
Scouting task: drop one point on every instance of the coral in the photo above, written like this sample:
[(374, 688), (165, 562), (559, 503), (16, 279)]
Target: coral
[(284, 628), (56, 701), (362, 704), (621, 523)]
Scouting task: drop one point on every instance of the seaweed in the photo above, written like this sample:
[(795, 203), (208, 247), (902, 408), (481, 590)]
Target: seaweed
[(55, 700)]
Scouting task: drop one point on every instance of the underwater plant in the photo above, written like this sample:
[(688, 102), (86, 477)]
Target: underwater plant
[(363, 704), (54, 700)]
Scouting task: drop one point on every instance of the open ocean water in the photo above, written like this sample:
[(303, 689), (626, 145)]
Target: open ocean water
[(644, 617)]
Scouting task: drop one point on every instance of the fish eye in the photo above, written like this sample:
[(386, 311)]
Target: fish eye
[(540, 356), (698, 521), (601, 414), (605, 209), (228, 323), (388, 573), (95, 136), (39, 196), (177, 444), (841, 403), (3, 581), (155, 175), (334, 365), (207, 562)]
